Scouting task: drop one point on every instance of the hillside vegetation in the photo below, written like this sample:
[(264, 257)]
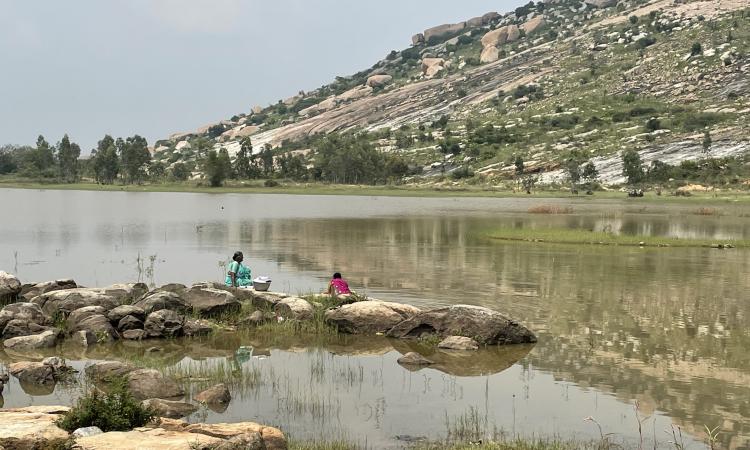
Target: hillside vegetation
[(571, 93)]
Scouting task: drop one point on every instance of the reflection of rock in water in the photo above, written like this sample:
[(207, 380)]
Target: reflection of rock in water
[(32, 388), (485, 361)]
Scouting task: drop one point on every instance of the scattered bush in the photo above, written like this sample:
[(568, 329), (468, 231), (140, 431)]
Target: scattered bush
[(116, 410), (696, 49), (462, 172)]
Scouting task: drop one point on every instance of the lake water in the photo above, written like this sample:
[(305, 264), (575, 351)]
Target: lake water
[(664, 327)]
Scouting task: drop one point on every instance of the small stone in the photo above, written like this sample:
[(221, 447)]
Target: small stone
[(218, 394), (414, 359), (87, 431), (170, 409)]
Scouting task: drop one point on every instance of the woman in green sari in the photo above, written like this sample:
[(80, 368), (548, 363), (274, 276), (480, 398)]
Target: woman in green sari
[(238, 275)]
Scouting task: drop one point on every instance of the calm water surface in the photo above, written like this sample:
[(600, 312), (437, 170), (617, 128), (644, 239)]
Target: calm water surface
[(667, 328)]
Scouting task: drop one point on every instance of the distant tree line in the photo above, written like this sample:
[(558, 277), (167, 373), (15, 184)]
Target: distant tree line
[(338, 158), (125, 160), (43, 161)]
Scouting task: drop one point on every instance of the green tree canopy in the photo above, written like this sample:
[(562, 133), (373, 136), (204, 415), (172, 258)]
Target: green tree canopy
[(632, 167), (67, 157), (105, 161), (134, 157)]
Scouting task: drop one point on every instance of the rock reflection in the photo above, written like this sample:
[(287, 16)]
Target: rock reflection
[(485, 361)]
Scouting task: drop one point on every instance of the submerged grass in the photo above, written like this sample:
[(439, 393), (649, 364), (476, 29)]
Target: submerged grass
[(588, 237), (518, 444)]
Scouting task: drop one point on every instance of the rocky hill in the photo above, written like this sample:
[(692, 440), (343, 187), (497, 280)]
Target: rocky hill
[(532, 91)]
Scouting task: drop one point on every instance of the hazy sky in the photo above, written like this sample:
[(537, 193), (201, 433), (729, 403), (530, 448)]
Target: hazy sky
[(154, 67)]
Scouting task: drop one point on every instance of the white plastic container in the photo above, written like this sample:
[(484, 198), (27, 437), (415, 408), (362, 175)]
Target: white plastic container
[(261, 284)]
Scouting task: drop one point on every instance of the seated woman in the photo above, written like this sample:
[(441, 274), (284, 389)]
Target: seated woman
[(238, 275), (337, 286)]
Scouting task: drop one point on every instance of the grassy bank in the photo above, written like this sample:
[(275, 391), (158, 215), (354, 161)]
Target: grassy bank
[(387, 190), (586, 237)]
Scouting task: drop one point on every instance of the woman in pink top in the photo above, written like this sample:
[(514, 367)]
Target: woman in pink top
[(338, 286)]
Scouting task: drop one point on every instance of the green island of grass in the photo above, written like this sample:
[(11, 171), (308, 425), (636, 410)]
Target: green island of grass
[(588, 237)]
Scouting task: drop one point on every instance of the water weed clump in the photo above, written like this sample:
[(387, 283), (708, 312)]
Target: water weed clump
[(115, 410)]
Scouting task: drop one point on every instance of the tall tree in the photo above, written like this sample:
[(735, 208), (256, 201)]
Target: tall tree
[(42, 159), (214, 168), (266, 159), (242, 161), (134, 156), (67, 158), (632, 167), (106, 163), (225, 162)]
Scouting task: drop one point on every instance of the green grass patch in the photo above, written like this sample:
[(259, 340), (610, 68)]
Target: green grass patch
[(587, 237)]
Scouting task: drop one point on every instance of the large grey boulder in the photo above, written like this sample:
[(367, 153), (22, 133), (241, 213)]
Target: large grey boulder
[(10, 287), (29, 291), (369, 317), (117, 314), (32, 372), (211, 302), (18, 327), (294, 308), (27, 312), (489, 55), (108, 370), (126, 293), (601, 3), (484, 325), (68, 300), (91, 321), (378, 80), (45, 339), (150, 383), (443, 30), (160, 300), (81, 314), (163, 323), (533, 24), (129, 323), (169, 408)]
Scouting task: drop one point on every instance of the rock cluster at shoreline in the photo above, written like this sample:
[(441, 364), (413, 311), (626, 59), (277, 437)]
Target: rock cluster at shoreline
[(35, 427), (47, 312)]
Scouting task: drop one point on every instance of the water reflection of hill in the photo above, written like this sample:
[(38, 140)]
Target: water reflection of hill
[(668, 326)]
